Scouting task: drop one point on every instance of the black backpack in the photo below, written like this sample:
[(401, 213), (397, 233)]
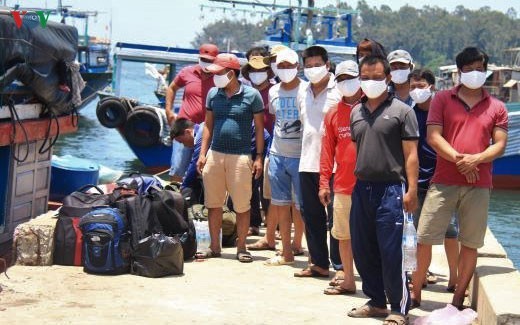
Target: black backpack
[(172, 213)]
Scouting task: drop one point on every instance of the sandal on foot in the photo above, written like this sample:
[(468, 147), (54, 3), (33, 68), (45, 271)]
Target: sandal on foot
[(296, 252), (309, 272), (208, 253), (261, 246), (431, 278), (336, 281), (367, 311), (396, 319), (244, 257), (277, 261), (338, 290)]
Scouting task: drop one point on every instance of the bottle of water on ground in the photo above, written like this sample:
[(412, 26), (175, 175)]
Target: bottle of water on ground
[(202, 231), (409, 244)]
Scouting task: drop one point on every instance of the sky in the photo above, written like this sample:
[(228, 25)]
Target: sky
[(176, 22)]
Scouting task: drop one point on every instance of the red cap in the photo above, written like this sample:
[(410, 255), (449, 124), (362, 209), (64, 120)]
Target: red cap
[(222, 61), (208, 51)]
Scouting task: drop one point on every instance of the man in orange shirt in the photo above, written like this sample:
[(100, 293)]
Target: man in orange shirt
[(337, 146)]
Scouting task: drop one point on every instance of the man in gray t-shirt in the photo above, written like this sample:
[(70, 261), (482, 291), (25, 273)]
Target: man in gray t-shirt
[(386, 134)]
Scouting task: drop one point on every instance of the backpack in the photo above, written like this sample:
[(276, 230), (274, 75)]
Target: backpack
[(68, 247), (137, 209), (105, 242), (139, 182), (158, 255), (172, 213)]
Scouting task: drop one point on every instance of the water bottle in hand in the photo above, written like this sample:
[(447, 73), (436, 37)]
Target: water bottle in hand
[(409, 244)]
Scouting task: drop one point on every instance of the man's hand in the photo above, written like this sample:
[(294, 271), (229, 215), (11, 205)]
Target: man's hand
[(468, 163), (258, 167), (410, 201), (324, 195), (473, 176), (201, 163)]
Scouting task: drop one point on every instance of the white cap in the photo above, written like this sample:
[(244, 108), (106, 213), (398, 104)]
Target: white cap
[(287, 55), (399, 56), (347, 67)]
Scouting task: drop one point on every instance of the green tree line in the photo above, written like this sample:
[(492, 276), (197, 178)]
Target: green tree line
[(432, 35)]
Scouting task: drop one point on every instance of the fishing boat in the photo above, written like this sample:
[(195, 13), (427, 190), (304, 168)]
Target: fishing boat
[(144, 127)]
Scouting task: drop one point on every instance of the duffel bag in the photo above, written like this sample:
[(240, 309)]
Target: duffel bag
[(81, 201)]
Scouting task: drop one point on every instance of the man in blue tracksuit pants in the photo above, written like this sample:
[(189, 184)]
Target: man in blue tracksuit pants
[(385, 131)]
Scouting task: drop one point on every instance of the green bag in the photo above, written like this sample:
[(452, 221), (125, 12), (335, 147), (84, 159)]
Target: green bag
[(229, 222)]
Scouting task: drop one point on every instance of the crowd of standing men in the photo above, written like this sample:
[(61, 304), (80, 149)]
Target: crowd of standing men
[(345, 155)]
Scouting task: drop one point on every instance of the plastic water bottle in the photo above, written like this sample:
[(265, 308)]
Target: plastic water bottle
[(409, 244), (203, 239)]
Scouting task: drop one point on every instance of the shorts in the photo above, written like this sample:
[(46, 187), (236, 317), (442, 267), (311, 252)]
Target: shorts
[(442, 201), (181, 158), (453, 229), (284, 179), (266, 185), (228, 173), (341, 224)]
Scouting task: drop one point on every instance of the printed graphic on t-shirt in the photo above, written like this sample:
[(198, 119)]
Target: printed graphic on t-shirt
[(344, 132), (288, 124)]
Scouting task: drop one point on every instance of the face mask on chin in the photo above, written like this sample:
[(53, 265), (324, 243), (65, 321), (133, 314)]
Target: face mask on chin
[(474, 79), (374, 88), (221, 81), (287, 75), (421, 95), (400, 76), (316, 74), (348, 88), (258, 78)]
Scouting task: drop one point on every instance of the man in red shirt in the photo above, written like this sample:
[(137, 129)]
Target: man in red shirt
[(468, 130), (196, 81), (337, 147)]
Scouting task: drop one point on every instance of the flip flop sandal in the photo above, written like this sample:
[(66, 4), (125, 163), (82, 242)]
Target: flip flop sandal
[(431, 278), (244, 257), (261, 246), (366, 311), (206, 254), (277, 261), (334, 291), (396, 319), (310, 273), (299, 252)]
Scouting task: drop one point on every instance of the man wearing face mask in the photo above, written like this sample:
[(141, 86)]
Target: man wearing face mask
[(225, 159), (385, 132), (320, 95), (337, 147), (422, 85), (285, 154), (468, 130), (196, 81), (401, 64)]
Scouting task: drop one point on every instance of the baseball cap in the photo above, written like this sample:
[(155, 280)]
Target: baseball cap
[(399, 56), (257, 62), (208, 51), (222, 61), (277, 49), (287, 55), (347, 67)]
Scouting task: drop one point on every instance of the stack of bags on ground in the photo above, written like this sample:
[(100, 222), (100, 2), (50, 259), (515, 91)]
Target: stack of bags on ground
[(140, 228)]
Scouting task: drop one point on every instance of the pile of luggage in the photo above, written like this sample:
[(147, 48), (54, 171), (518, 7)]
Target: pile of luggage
[(140, 228)]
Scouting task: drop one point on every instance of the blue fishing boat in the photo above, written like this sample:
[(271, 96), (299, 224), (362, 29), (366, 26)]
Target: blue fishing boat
[(506, 169)]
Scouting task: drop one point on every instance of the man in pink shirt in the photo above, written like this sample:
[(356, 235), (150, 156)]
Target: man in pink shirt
[(468, 130), (196, 81)]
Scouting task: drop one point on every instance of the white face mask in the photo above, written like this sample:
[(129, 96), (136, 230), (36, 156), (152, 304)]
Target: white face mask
[(204, 65), (421, 95), (374, 88), (400, 76), (314, 75), (287, 75), (258, 78), (474, 79), (221, 81), (274, 68), (348, 88)]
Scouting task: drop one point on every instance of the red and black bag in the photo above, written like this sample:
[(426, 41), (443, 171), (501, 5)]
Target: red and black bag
[(68, 246)]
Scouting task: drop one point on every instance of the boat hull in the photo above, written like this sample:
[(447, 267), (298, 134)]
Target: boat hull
[(506, 172)]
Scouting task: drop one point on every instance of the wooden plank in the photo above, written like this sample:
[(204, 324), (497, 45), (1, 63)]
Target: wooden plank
[(36, 129)]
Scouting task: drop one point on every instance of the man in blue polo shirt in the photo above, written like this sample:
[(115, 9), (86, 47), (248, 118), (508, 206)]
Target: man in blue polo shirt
[(225, 158)]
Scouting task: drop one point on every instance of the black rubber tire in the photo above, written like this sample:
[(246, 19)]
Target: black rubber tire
[(142, 128), (111, 112)]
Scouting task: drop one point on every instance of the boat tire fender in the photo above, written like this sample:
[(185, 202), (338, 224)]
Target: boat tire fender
[(111, 112), (143, 127)]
